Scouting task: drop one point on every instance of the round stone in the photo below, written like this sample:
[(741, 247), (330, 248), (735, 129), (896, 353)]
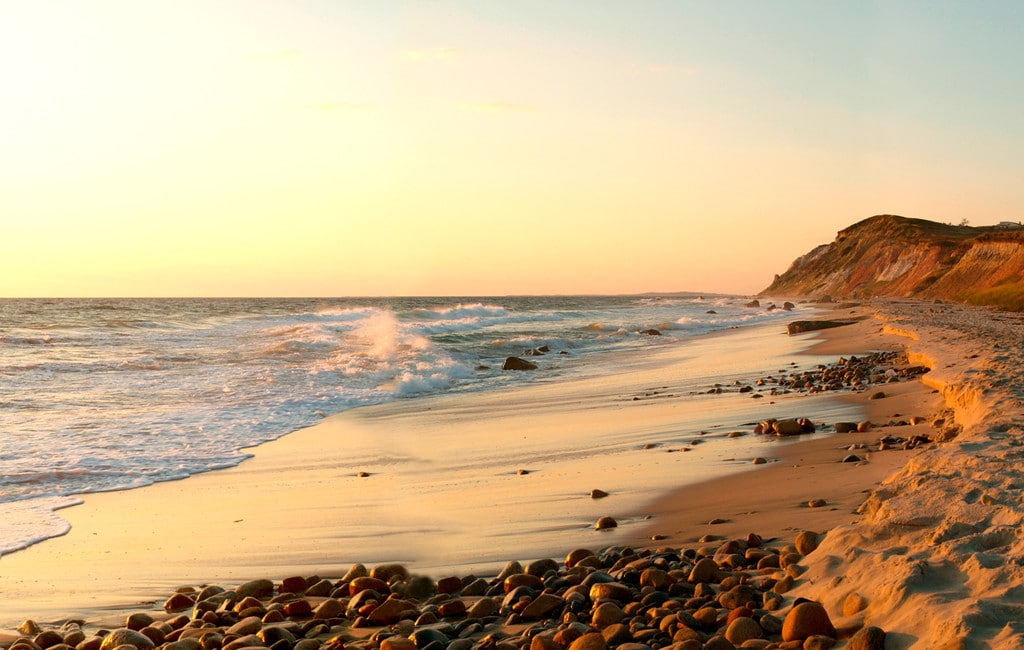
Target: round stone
[(806, 542), (743, 629), (606, 522)]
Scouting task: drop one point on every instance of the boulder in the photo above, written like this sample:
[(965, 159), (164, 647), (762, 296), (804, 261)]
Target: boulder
[(805, 620)]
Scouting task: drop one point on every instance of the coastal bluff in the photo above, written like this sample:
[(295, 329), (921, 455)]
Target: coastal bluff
[(898, 257)]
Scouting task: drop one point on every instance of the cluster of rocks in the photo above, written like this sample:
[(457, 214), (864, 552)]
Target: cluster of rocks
[(788, 306), (717, 597), (853, 373)]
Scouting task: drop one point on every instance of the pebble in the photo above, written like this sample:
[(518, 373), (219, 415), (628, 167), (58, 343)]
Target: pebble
[(723, 594)]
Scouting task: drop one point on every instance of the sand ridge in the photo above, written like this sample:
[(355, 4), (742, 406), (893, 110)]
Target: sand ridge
[(938, 553)]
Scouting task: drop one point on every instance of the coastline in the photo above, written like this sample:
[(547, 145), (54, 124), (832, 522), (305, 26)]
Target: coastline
[(280, 512), (871, 554)]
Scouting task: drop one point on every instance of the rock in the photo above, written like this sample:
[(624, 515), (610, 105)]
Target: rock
[(397, 643), (759, 460), (390, 611), (854, 604), (704, 570), (329, 608), (805, 620), (817, 503), (606, 614), (753, 303), (246, 626), (650, 332), (606, 522), (616, 635), (516, 580), (877, 395), (293, 585), (515, 363), (484, 607), (742, 629), (806, 542), (845, 427), (851, 458), (611, 591), (365, 583), (598, 494), (255, 589), (788, 428), (178, 603), (542, 606), (819, 642), (590, 641), (867, 638), (575, 556), (865, 426), (124, 636), (799, 326), (386, 572)]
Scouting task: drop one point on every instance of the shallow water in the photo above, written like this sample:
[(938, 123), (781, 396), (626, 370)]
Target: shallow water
[(111, 394)]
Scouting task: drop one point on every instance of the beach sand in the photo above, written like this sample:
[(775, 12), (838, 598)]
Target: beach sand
[(276, 514)]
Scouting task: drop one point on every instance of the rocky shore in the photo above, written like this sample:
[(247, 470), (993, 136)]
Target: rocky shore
[(716, 597)]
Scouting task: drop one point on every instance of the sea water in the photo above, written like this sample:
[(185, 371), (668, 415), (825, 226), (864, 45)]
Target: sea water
[(113, 394)]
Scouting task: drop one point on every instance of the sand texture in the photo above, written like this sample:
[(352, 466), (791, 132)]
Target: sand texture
[(938, 556)]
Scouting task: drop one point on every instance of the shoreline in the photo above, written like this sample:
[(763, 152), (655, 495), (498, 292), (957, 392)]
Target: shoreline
[(226, 525), (826, 578)]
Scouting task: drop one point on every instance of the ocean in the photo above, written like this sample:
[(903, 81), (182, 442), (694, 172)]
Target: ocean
[(114, 394)]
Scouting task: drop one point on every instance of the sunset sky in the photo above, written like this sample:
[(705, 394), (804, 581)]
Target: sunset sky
[(336, 148)]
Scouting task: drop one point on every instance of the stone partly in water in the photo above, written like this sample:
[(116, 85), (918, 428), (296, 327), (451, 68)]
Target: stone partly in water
[(515, 363), (606, 522), (799, 326)]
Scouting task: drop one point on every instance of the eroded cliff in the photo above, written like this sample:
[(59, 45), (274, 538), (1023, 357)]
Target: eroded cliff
[(892, 256)]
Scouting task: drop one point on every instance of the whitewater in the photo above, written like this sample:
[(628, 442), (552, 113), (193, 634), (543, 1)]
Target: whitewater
[(114, 394)]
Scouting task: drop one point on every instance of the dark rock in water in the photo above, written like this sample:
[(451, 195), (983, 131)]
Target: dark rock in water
[(650, 332), (788, 306), (798, 326), (711, 311), (753, 303), (515, 363)]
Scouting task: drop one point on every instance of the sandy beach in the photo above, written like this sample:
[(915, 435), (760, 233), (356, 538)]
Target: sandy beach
[(926, 536)]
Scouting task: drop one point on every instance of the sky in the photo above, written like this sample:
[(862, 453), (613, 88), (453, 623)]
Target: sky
[(481, 147)]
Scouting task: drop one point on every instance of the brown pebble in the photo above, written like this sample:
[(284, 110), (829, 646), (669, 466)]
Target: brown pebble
[(806, 542), (867, 638), (606, 522), (598, 494), (854, 603), (817, 503), (590, 641)]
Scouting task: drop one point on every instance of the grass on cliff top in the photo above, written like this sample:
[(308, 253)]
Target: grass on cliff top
[(1009, 296)]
